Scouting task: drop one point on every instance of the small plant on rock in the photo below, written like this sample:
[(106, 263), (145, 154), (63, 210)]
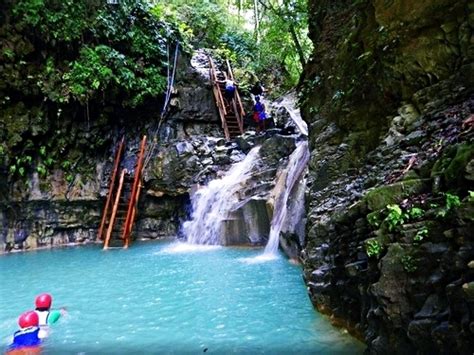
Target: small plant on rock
[(41, 169), (452, 201), (415, 212), (395, 216), (470, 198), (373, 219), (421, 235), (409, 263), (373, 248)]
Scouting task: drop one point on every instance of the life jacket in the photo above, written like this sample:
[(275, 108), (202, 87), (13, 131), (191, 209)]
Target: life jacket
[(258, 107), (43, 318), (26, 337)]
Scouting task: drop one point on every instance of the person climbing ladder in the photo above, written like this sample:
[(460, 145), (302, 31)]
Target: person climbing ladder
[(229, 91)]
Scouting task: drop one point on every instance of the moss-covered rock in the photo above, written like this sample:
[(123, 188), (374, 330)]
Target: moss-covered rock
[(453, 165), (380, 197), (370, 58), (455, 172)]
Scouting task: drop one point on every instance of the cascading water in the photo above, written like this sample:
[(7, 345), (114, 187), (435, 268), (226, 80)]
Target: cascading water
[(211, 204), (296, 165), (288, 103)]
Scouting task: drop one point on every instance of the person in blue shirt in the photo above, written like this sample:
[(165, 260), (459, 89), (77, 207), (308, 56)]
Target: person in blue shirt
[(259, 115), (26, 338), (229, 91)]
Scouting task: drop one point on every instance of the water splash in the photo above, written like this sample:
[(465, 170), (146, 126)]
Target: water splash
[(288, 103), (296, 165), (182, 248), (262, 258), (211, 204)]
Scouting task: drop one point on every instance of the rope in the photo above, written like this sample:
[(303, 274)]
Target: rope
[(164, 111)]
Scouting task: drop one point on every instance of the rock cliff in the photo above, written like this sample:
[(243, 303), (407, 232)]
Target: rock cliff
[(388, 99)]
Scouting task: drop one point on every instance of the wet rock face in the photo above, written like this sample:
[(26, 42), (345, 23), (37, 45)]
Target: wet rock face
[(182, 167), (399, 280), (371, 55), (192, 108), (388, 99), (41, 224), (180, 162)]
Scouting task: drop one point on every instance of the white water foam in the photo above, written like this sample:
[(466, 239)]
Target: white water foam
[(262, 258), (182, 248), (296, 165), (212, 203), (288, 103)]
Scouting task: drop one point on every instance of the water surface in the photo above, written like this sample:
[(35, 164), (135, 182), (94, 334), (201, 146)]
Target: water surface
[(166, 298)]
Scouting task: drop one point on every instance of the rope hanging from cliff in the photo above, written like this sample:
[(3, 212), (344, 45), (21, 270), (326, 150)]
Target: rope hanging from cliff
[(164, 111)]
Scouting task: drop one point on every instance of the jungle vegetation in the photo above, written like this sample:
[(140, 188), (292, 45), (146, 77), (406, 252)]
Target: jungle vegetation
[(69, 69)]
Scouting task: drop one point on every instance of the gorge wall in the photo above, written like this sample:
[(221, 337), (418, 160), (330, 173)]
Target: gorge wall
[(388, 97), (63, 205)]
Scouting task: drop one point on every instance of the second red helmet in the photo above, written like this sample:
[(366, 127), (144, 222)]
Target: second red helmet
[(43, 301), (28, 319)]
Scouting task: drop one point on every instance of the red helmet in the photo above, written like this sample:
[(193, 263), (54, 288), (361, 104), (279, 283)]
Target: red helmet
[(43, 301), (28, 319)]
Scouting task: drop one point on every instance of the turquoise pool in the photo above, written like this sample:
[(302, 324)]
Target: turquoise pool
[(168, 298)]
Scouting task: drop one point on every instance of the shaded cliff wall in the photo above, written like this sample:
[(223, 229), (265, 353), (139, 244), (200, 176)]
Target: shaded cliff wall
[(388, 97), (64, 204)]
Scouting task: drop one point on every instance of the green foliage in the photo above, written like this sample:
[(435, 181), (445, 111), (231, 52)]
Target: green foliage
[(415, 212), (395, 216), (226, 27), (374, 219), (67, 61), (410, 264), (451, 201), (470, 197), (115, 49), (42, 170), (29, 11), (201, 23), (66, 164), (20, 166), (373, 248), (64, 20), (421, 235), (282, 25)]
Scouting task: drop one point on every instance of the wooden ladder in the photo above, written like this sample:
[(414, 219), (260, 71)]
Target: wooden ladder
[(122, 199), (231, 116)]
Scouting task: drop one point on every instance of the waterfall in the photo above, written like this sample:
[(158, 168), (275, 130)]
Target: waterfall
[(296, 165), (288, 103), (211, 204)]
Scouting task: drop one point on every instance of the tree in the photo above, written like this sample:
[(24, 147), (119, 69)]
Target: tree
[(292, 18)]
